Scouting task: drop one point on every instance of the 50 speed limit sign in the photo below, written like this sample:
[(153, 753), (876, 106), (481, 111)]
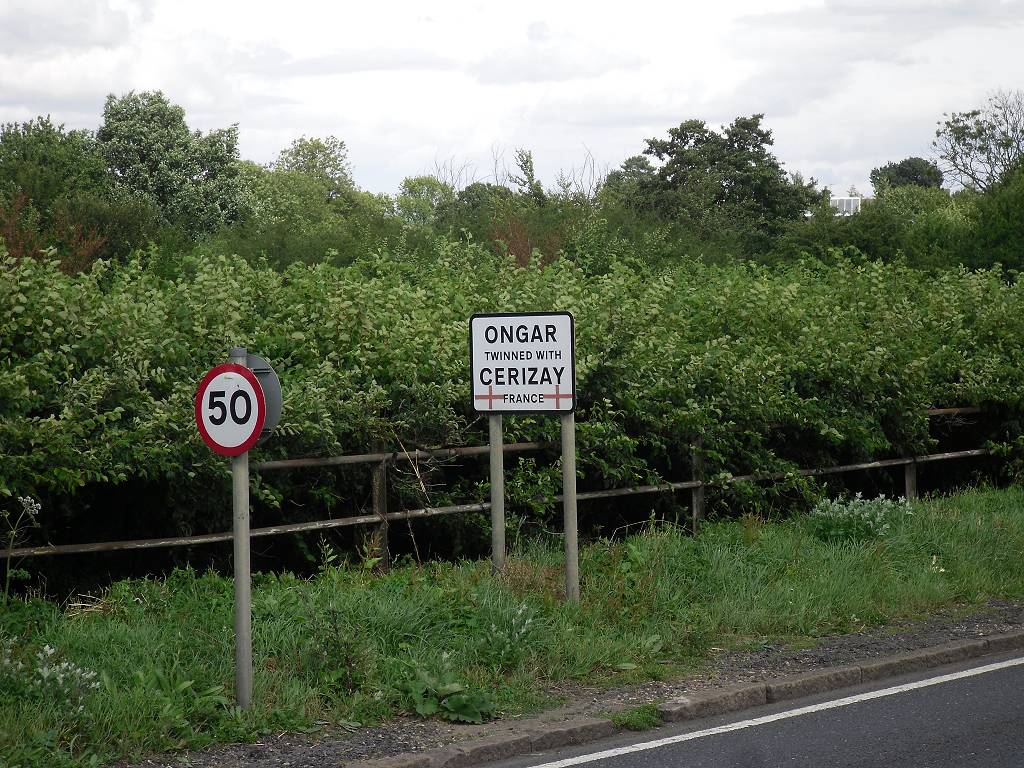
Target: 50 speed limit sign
[(230, 409)]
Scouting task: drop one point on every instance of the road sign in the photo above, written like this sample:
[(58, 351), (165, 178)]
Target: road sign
[(523, 363), (230, 409), (526, 363), (270, 383)]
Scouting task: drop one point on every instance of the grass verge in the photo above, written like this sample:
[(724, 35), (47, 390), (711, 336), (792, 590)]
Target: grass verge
[(641, 718), (148, 664)]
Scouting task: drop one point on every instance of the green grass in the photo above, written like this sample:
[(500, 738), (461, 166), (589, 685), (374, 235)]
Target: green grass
[(641, 718), (449, 638)]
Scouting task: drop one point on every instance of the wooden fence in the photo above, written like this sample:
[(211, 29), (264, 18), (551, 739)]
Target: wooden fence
[(381, 460)]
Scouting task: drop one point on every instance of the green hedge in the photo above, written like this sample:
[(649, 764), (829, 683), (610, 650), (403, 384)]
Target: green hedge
[(773, 367)]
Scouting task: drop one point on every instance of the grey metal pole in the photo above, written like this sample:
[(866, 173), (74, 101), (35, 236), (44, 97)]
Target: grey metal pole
[(497, 440), (243, 585), (572, 555)]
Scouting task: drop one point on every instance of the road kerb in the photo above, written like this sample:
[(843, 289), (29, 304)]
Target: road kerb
[(891, 666), (926, 658), (960, 650), (530, 736), (418, 760), (485, 750), (1009, 641), (716, 702), (537, 735), (564, 734), (812, 682)]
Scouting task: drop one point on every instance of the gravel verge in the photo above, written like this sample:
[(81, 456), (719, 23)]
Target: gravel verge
[(402, 736)]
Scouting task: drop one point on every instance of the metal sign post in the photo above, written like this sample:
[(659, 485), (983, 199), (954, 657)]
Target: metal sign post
[(526, 363), (497, 455), (572, 549), (234, 412), (243, 574)]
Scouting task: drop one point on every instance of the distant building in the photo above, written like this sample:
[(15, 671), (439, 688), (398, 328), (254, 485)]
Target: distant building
[(847, 206)]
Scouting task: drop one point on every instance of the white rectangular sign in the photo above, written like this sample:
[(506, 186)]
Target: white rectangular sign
[(523, 362)]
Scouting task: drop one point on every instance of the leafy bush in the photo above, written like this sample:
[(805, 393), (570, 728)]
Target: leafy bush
[(99, 372), (927, 227), (855, 519)]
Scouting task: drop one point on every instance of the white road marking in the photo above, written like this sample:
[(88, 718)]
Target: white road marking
[(644, 746)]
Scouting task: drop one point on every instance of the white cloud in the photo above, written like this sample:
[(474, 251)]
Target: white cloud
[(34, 29), (547, 58), (844, 86), (277, 63)]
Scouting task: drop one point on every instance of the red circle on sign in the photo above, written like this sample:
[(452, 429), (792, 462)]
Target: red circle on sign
[(257, 424)]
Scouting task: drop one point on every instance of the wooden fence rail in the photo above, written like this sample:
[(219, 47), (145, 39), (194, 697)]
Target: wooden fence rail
[(392, 456), (696, 486)]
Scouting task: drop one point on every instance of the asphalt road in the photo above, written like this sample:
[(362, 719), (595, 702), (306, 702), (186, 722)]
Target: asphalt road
[(974, 721)]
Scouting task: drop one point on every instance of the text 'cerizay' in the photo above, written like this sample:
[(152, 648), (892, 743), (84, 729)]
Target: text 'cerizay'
[(523, 362)]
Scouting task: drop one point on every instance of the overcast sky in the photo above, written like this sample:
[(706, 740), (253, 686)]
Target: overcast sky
[(845, 85)]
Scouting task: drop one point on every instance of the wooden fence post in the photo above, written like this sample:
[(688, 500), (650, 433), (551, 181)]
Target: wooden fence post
[(910, 480), (380, 509), (697, 494)]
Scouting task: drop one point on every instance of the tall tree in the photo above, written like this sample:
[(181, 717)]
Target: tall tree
[(325, 160), (981, 147), (999, 235), (55, 192), (623, 185), (914, 171), (707, 177), (526, 179), (421, 197), (284, 198), (47, 164), (191, 178)]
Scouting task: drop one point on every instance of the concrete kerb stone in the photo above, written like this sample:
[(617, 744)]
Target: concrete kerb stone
[(1010, 641), (580, 731), (536, 735), (442, 756), (811, 682), (926, 658), (419, 760), (717, 702), (900, 664), (532, 735), (469, 753), (960, 650)]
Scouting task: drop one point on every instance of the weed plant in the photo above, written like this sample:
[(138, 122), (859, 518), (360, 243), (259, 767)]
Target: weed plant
[(147, 665), (855, 519)]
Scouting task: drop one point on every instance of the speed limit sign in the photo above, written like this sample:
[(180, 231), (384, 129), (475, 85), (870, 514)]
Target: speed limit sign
[(230, 409)]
